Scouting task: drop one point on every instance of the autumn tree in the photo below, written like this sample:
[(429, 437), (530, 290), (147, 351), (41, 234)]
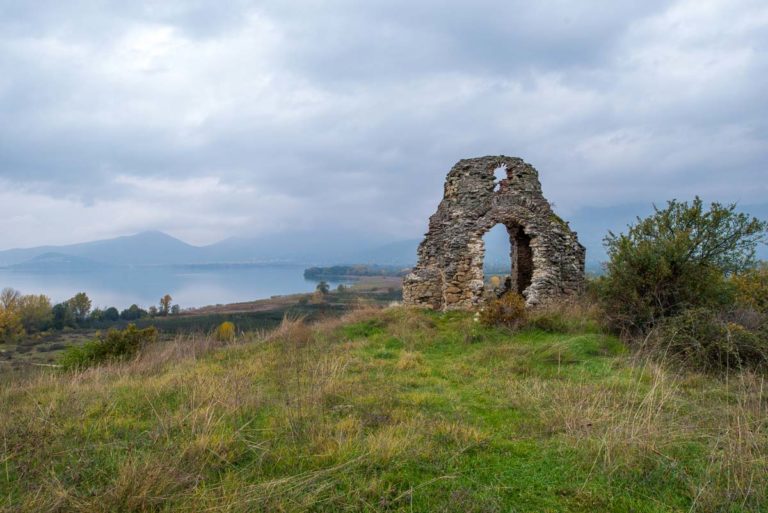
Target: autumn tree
[(9, 298), (80, 305), (35, 312), (10, 325), (165, 304)]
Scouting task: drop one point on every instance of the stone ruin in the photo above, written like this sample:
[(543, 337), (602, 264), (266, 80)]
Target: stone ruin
[(547, 259)]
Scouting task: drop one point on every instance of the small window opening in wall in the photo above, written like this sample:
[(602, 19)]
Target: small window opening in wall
[(500, 173)]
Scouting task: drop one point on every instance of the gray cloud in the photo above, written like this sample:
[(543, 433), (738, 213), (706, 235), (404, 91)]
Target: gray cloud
[(212, 119)]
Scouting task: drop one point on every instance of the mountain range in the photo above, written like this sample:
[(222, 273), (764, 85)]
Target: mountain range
[(315, 248), (158, 248)]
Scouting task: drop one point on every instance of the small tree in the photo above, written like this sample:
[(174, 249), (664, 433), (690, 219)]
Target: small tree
[(165, 304), (133, 313), (175, 310), (10, 325), (63, 316), (676, 259), (35, 312), (111, 314), (9, 298), (323, 287), (80, 305), (153, 311)]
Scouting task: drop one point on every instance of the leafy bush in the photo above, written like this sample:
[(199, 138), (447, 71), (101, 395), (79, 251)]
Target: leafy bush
[(752, 288), (508, 311), (707, 340), (116, 345), (225, 332), (676, 259)]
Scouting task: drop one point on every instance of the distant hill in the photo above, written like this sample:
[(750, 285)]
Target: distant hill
[(147, 248), (57, 262), (157, 248)]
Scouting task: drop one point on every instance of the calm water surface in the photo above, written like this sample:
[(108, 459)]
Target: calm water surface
[(121, 287)]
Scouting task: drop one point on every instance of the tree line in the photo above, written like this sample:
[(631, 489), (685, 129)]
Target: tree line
[(22, 315)]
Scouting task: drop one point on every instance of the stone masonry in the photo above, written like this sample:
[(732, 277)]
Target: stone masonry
[(547, 261)]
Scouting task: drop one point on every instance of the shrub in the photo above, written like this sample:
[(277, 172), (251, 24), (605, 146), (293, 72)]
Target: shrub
[(508, 311), (116, 345), (678, 258), (752, 288), (225, 332), (706, 340)]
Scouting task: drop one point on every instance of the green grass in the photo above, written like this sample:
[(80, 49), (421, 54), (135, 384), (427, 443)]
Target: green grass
[(392, 410)]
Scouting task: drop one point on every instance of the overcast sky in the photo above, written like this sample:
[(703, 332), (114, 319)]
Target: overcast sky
[(210, 119)]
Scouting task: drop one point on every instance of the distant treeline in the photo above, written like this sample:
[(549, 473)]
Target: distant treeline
[(345, 271), (22, 315)]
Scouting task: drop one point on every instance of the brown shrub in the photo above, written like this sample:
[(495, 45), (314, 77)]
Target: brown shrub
[(508, 311)]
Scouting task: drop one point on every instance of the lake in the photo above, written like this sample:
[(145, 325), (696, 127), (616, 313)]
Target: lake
[(144, 286)]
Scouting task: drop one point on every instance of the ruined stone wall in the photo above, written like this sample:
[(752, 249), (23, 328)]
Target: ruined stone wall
[(547, 261)]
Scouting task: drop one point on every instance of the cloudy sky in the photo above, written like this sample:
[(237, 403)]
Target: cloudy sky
[(209, 119)]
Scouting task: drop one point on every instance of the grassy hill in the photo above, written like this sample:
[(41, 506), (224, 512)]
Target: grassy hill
[(385, 410)]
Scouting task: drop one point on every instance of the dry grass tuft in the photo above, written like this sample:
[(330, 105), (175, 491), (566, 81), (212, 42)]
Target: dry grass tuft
[(576, 315), (643, 421), (409, 360)]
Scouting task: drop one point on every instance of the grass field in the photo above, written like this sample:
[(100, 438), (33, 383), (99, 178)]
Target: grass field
[(385, 410)]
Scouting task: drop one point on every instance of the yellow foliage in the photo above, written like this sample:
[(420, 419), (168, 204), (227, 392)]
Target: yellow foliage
[(752, 288), (10, 325), (226, 332)]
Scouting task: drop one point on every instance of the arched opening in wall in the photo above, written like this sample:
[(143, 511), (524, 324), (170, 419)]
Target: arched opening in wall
[(508, 260), (499, 174)]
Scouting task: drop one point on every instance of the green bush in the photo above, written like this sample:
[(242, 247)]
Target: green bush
[(507, 311), (676, 259), (706, 340), (116, 345)]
